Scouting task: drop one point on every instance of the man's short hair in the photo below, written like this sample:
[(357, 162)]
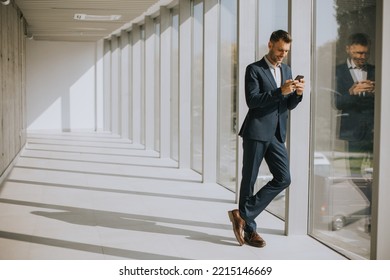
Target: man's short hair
[(359, 39), (280, 35)]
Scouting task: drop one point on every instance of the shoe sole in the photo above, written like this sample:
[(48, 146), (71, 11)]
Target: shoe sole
[(241, 242), (255, 245)]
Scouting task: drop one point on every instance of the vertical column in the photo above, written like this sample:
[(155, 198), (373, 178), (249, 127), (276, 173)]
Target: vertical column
[(124, 84), (143, 78), (165, 82), (130, 77), (150, 42), (246, 54), (99, 86), (185, 84), (136, 83), (115, 84), (380, 231), (107, 85), (23, 54), (210, 95), (299, 137)]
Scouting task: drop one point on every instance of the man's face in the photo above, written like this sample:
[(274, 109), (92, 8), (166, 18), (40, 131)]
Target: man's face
[(358, 54), (277, 51)]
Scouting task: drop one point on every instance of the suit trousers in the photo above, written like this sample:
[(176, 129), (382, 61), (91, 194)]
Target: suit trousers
[(275, 154)]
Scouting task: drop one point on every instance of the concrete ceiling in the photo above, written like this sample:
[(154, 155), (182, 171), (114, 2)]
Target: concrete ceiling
[(54, 20)]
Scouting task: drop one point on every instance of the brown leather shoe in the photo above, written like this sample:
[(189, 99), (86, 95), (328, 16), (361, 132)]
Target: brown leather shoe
[(254, 239), (238, 225)]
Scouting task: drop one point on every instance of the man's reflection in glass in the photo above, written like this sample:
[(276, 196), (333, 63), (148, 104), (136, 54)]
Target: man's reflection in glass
[(354, 97)]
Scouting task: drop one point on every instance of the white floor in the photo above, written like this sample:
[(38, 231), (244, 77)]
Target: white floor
[(74, 196)]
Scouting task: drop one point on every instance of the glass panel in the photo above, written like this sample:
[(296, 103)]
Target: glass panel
[(197, 88), (343, 122), (273, 15), (227, 95), (175, 86)]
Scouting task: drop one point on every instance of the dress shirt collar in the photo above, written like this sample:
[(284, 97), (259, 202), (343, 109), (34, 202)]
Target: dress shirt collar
[(270, 64), (352, 65), (358, 74), (276, 72)]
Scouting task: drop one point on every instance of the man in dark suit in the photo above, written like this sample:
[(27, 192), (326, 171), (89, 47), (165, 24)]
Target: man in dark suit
[(270, 93), (354, 97)]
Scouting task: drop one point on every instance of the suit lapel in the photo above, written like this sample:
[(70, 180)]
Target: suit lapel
[(370, 73), (284, 73), (348, 74), (267, 72)]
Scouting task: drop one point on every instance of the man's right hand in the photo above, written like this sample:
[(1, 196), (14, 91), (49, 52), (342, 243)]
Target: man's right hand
[(362, 86), (288, 87)]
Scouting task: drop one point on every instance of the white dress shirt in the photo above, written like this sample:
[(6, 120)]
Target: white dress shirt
[(276, 72), (358, 74)]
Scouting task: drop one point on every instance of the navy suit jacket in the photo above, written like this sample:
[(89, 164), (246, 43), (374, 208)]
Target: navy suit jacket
[(268, 108), (357, 112)]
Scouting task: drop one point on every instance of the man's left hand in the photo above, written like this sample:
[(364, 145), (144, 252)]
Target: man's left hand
[(299, 86)]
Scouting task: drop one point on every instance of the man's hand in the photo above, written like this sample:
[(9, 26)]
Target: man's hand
[(300, 86), (292, 85), (362, 86)]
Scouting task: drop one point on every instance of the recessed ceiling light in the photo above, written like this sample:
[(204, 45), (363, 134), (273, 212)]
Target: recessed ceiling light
[(96, 17), (91, 28)]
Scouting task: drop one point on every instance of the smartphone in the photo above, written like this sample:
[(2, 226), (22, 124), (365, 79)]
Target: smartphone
[(299, 77)]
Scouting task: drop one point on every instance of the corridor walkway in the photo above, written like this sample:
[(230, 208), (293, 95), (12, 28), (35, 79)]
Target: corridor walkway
[(74, 196)]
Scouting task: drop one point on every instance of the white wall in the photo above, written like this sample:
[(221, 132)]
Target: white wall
[(61, 86)]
